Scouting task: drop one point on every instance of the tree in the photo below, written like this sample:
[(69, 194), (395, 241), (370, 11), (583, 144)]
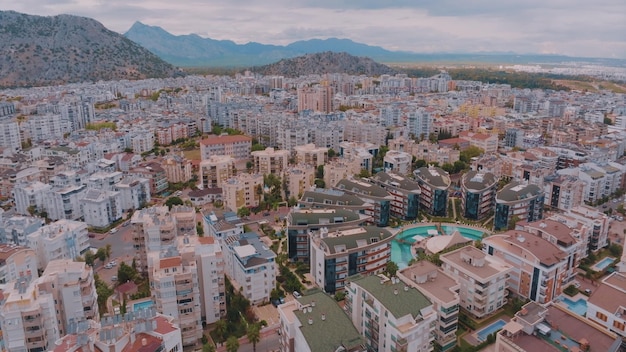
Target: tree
[(513, 222), (232, 344), (391, 268), (364, 173), (173, 201), (126, 273), (319, 173), (254, 335), (331, 153), (208, 347), (221, 329), (101, 254), (249, 165), (89, 258), (243, 212), (107, 251)]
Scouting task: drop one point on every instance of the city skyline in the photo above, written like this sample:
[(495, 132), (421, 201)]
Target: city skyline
[(573, 28)]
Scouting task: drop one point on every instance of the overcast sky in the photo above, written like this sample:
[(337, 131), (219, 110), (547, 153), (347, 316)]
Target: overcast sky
[(571, 27)]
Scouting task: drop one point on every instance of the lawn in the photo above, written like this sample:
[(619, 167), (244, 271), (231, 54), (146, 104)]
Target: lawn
[(192, 154)]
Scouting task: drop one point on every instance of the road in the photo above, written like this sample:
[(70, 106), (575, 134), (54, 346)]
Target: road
[(122, 250)]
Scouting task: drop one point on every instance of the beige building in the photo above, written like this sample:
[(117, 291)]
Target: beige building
[(153, 228), (242, 191), (311, 155), (215, 170), (298, 180), (487, 142), (177, 169), (270, 161), (16, 261), (237, 146), (482, 279), (339, 169)]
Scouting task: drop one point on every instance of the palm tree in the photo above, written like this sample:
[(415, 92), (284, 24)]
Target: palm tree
[(254, 335), (220, 330), (107, 251), (232, 344), (208, 347)]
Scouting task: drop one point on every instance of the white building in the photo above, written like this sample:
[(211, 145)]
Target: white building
[(30, 195), (104, 180), (101, 208), (63, 239), (398, 162), (65, 203), (15, 229), (134, 193), (10, 136), (17, 261)]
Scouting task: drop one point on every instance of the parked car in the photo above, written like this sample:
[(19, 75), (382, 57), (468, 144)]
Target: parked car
[(108, 266), (297, 294), (114, 278), (113, 231)]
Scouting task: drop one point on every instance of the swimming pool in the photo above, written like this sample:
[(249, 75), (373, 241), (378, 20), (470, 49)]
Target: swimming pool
[(579, 306), (142, 305), (401, 245), (601, 265), (490, 329)]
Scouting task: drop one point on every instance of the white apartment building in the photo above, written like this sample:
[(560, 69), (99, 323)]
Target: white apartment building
[(397, 162), (134, 192), (237, 146), (390, 315), (17, 261), (177, 169), (481, 277), (15, 229), (65, 203), (270, 161), (154, 229), (311, 154), (441, 290), (174, 287), (215, 170), (104, 180), (10, 136), (30, 195), (607, 304), (420, 122), (101, 208), (242, 191), (251, 265), (73, 288), (62, 239), (601, 180), (142, 142)]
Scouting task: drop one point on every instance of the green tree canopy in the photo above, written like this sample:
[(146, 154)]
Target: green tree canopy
[(232, 344), (254, 335), (391, 269), (171, 201)]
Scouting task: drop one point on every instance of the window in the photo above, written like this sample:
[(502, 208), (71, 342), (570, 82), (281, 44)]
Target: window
[(618, 325), (601, 316)]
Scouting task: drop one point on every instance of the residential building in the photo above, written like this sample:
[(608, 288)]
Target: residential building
[(251, 265), (174, 286), (237, 146), (315, 322), (134, 193), (200, 197), (442, 290), (73, 289), (397, 162), (101, 208), (482, 279), (434, 183), (62, 239), (336, 255), (30, 196), (222, 225), (177, 168), (15, 229), (405, 194), (339, 169), (607, 304), (378, 198), (563, 192), (17, 261), (478, 194), (215, 170), (270, 161), (601, 179), (154, 229), (390, 315), (104, 181), (362, 153), (297, 180), (65, 203), (540, 268), (301, 222), (589, 225), (155, 173), (487, 142), (311, 154), (242, 191), (518, 201), (331, 198)]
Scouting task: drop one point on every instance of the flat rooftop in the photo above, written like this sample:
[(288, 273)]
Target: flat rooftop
[(491, 267), (438, 284), (521, 242)]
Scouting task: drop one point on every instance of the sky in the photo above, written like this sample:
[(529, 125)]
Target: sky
[(569, 27)]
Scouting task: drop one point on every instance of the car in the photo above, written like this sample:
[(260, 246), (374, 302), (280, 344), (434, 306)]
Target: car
[(577, 284), (297, 294), (588, 291), (108, 266), (267, 213), (114, 278), (126, 223), (605, 206), (113, 263), (113, 231)]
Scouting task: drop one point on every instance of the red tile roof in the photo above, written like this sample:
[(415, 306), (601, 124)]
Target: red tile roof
[(225, 139)]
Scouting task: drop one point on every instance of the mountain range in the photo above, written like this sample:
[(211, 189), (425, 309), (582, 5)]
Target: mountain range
[(192, 50), (38, 50)]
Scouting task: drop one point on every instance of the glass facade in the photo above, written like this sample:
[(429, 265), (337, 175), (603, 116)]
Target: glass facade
[(501, 219), (472, 203), (440, 202)]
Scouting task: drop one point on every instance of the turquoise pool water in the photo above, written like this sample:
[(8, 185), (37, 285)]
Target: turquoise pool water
[(490, 329), (579, 307), (601, 265), (401, 245), (142, 305)]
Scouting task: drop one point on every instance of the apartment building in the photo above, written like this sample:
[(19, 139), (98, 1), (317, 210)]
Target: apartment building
[(607, 304), (482, 279), (73, 289), (310, 154), (297, 180), (440, 289), (17, 261), (362, 153), (215, 170), (434, 184), (222, 225), (134, 193), (65, 203), (30, 196), (237, 146), (174, 287), (270, 161), (101, 208), (104, 180), (15, 229), (588, 224), (378, 198), (251, 265), (404, 191), (487, 142), (601, 179), (331, 198), (563, 192), (397, 162), (478, 194), (242, 191), (154, 173), (154, 228), (315, 322), (177, 168), (518, 201), (338, 254), (339, 169), (425, 150), (62, 239), (540, 268), (390, 315)]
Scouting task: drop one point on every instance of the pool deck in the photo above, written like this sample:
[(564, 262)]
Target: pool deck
[(596, 268)]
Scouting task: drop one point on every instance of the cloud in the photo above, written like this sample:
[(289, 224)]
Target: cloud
[(570, 27)]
